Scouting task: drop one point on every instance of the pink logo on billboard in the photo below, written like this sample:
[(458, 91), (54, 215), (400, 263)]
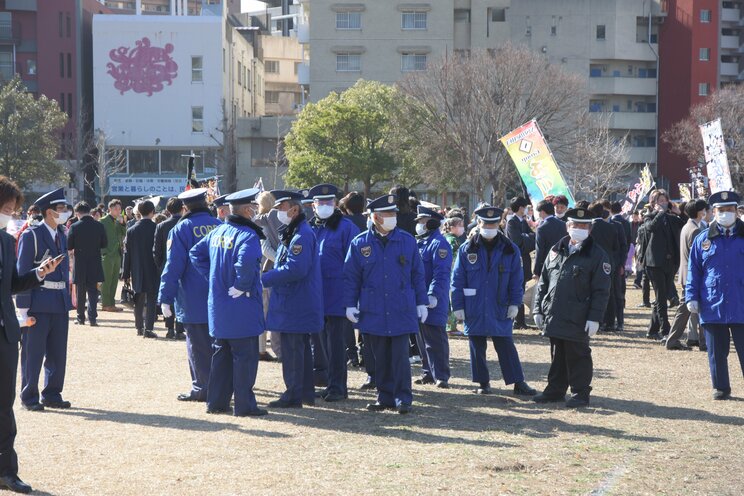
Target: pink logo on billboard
[(144, 69)]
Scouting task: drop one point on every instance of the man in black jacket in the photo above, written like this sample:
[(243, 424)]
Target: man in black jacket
[(661, 256), (10, 332), (518, 231), (160, 254), (606, 235), (549, 232), (616, 306), (86, 239), (139, 265)]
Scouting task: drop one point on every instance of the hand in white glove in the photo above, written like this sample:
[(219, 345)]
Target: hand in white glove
[(422, 313), (236, 293), (166, 309), (539, 320), (693, 306), (512, 311), (459, 314), (432, 301), (591, 328), (23, 319), (352, 314)]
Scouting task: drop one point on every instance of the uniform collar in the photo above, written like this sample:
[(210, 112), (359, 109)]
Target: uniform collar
[(715, 230), (52, 232), (242, 221)]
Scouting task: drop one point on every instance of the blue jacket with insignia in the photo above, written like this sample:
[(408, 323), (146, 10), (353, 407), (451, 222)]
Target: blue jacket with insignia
[(230, 256), (180, 282), (296, 301), (714, 277), (35, 244), (385, 279), (436, 253)]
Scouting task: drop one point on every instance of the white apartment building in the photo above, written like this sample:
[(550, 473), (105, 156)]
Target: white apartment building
[(731, 43)]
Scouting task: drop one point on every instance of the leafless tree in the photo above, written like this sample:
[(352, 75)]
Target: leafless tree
[(109, 161)]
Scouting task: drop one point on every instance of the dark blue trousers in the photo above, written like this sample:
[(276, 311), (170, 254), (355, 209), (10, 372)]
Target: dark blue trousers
[(234, 370), (718, 338), (511, 368), (434, 346), (199, 350), (334, 338), (89, 290), (368, 357), (320, 358), (392, 368), (297, 368), (44, 342)]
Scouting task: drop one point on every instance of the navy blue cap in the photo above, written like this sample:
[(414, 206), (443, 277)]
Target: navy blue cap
[(306, 198), (579, 215), (323, 192), (220, 201), (193, 195), (387, 203), (281, 195), (489, 214), (724, 199), (243, 197), (428, 212), (52, 198)]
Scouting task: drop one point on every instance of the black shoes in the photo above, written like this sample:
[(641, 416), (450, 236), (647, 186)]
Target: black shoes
[(424, 379), (485, 388), (368, 384), (13, 483), (62, 405), (677, 346), (377, 407), (404, 409), (219, 411), (719, 394), (187, 397), (280, 403), (548, 398), (93, 323), (34, 407), (442, 384), (331, 397), (523, 389), (265, 356), (79, 321), (180, 336), (140, 332), (150, 335), (577, 401), (653, 335), (171, 334), (258, 412)]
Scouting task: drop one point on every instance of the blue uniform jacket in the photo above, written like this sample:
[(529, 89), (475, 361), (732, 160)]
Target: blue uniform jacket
[(714, 275), (485, 288), (180, 282), (35, 243), (436, 253), (386, 283), (230, 255), (334, 238), (296, 301)]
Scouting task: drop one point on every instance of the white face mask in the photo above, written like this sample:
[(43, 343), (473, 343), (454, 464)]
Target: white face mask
[(324, 211), (62, 217), (458, 231), (4, 220), (283, 217), (420, 229), (389, 223), (726, 219), (560, 216), (488, 233), (578, 235)]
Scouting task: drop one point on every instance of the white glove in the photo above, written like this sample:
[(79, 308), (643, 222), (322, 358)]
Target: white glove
[(236, 293), (591, 328), (166, 309), (539, 320), (459, 314), (352, 314), (512, 312), (22, 314), (693, 306), (432, 301), (422, 313)]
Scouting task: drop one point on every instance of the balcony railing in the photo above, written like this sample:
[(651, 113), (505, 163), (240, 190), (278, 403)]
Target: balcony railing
[(10, 31)]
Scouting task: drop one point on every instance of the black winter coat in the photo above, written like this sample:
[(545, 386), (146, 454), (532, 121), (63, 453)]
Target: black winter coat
[(138, 263), (86, 238)]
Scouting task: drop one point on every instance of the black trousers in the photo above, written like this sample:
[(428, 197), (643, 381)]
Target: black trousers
[(662, 282), (646, 289), (89, 290), (172, 324), (616, 305), (145, 309), (8, 368), (572, 366)]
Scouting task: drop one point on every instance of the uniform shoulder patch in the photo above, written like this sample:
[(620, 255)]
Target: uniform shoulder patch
[(472, 258), (296, 249), (442, 253), (366, 251), (607, 268), (706, 245)]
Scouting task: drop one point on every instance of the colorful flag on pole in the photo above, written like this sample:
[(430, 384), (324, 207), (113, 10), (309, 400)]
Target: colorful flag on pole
[(535, 163), (716, 161), (259, 184), (685, 191), (639, 191)]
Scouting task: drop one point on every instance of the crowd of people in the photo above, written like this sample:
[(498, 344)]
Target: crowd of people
[(330, 281)]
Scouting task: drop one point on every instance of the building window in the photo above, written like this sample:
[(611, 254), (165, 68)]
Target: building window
[(348, 20), (31, 67), (272, 97), (144, 162), (197, 119), (240, 74), (413, 62), (553, 30), (703, 89), (271, 66), (69, 26), (223, 60), (69, 66), (413, 20), (705, 54), (600, 31), (197, 69), (297, 67), (348, 62), (498, 15), (61, 65), (705, 15), (62, 102), (69, 104), (61, 21)]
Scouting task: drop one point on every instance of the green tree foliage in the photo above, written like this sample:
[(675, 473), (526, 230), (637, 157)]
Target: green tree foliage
[(29, 136)]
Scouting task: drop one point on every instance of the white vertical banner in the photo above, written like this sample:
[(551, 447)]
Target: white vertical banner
[(716, 162)]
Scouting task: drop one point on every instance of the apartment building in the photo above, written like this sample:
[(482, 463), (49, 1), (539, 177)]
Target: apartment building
[(283, 58)]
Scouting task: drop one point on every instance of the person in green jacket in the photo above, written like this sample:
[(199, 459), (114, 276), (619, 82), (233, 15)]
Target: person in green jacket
[(116, 229), (453, 228)]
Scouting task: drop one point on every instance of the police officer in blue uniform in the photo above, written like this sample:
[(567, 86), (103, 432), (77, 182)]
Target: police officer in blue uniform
[(714, 289), (182, 287), (385, 295), (487, 290), (436, 253), (334, 233), (49, 304), (296, 301), (222, 209), (229, 257)]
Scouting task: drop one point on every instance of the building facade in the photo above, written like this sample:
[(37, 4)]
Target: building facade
[(282, 58)]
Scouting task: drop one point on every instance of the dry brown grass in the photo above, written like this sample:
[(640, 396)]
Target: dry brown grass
[(652, 429)]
